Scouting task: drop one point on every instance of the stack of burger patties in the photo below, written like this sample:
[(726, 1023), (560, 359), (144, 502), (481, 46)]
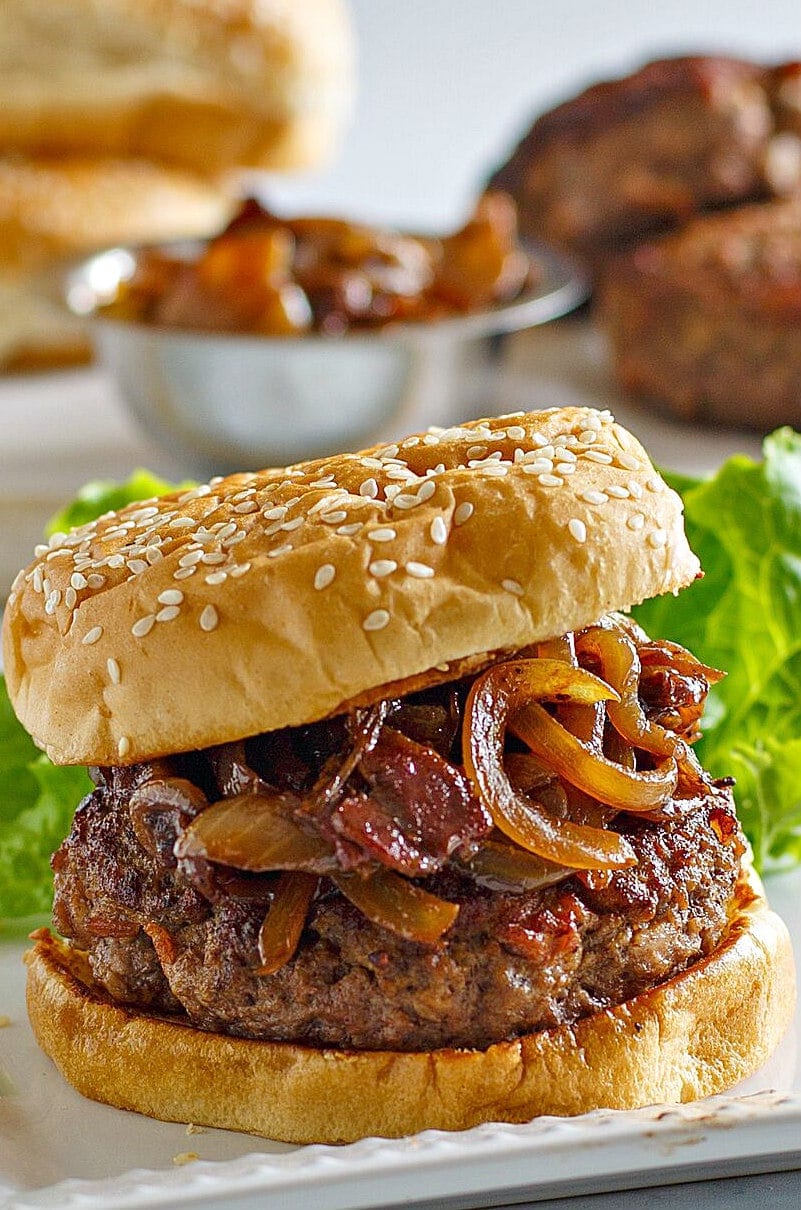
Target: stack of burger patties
[(126, 123), (679, 189)]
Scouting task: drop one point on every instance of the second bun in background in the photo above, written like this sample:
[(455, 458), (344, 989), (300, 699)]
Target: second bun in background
[(210, 87), (55, 209)]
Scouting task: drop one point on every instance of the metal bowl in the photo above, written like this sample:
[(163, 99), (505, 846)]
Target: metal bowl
[(223, 402)]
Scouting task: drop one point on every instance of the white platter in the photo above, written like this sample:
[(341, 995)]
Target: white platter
[(59, 1150)]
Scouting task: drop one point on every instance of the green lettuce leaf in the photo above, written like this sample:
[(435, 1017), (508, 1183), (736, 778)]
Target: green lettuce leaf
[(37, 798), (744, 616), (104, 495)]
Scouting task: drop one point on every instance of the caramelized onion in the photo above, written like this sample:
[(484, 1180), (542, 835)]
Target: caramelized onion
[(393, 902), (493, 698), (505, 867), (587, 769), (255, 832), (282, 926), (620, 668)]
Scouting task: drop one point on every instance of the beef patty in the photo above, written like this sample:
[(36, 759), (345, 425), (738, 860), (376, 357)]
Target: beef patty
[(181, 936)]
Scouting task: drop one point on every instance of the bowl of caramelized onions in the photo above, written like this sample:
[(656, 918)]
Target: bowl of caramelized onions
[(282, 339)]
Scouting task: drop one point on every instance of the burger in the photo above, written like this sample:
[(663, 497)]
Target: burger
[(396, 822)]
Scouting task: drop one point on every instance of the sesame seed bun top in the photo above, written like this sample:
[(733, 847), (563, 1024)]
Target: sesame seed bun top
[(274, 599)]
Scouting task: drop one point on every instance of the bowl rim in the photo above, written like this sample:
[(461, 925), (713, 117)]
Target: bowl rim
[(562, 286)]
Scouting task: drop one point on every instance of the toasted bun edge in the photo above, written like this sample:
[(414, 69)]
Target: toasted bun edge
[(695, 1035)]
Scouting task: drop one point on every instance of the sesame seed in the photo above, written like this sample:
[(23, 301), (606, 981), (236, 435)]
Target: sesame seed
[(113, 671), (70, 597), (92, 636), (137, 566), (421, 571), (368, 488), (274, 514), (431, 439), (404, 501), (550, 480), (241, 569), (38, 583), (426, 491), (226, 531), (181, 523), (463, 512), (495, 469), (95, 580), (627, 461), (295, 523), (78, 581), (657, 538), (183, 573), (439, 531), (594, 497), (538, 439), (123, 746), (409, 442), (588, 437), (116, 561), (335, 517), (655, 485), (636, 521), (516, 432), (191, 558), (376, 620), (598, 456), (542, 466), (349, 530), (247, 506), (477, 451), (212, 556), (170, 596), (513, 586), (279, 550), (578, 529), (216, 577), (565, 468), (143, 626), (168, 614), (382, 535), (40, 550), (620, 493), (382, 567), (324, 575), (208, 618)]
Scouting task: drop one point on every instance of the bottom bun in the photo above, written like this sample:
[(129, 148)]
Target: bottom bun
[(697, 1034)]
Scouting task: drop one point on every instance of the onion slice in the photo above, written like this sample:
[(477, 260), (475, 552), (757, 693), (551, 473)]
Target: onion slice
[(582, 766), (503, 690), (395, 903), (505, 867), (282, 926), (620, 667), (255, 832)]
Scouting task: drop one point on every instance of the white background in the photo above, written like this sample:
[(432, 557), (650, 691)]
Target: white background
[(447, 86)]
